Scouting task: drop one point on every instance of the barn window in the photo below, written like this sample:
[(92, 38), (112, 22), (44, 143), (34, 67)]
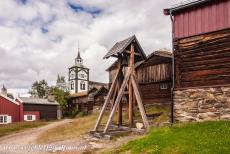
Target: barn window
[(29, 117), (72, 85), (164, 86), (4, 119), (82, 85)]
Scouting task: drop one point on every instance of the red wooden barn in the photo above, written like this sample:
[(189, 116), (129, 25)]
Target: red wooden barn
[(9, 110), (201, 48), (26, 109)]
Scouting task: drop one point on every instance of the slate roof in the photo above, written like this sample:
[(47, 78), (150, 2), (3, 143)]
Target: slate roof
[(120, 46), (31, 100)]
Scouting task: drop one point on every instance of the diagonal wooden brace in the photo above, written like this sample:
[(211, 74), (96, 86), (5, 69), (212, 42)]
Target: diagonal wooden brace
[(118, 99)]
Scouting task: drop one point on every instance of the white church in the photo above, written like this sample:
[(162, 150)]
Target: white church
[(78, 76)]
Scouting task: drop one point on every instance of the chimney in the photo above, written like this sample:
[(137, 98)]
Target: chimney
[(4, 91)]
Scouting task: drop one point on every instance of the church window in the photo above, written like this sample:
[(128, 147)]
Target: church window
[(72, 85), (82, 85)]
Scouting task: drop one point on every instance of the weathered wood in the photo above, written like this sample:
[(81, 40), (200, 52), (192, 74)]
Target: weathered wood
[(118, 99), (203, 60), (130, 104), (106, 101), (139, 102), (135, 53), (131, 64), (119, 110)]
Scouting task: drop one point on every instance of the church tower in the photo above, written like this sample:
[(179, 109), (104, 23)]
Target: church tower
[(78, 76)]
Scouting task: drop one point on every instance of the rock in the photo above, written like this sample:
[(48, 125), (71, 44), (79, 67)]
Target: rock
[(225, 117), (95, 145), (139, 125), (218, 105)]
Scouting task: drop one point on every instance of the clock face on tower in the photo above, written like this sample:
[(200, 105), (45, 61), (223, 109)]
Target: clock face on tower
[(82, 75), (72, 74)]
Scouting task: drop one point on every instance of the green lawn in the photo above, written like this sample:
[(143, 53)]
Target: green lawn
[(202, 138), (15, 127)]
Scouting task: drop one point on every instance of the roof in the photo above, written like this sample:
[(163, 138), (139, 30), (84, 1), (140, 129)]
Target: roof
[(161, 53), (98, 83), (80, 94), (79, 55), (185, 5), (9, 99), (32, 100), (114, 64), (120, 46)]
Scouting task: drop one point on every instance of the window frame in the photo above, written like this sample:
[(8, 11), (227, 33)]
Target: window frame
[(3, 119), (163, 86), (82, 85), (72, 85)]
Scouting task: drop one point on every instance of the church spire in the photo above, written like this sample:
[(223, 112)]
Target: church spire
[(78, 60)]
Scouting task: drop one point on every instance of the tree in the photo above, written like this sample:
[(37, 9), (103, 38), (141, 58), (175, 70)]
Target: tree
[(39, 89), (60, 96), (10, 95)]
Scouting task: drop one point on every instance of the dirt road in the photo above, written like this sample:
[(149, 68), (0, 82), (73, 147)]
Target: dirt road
[(25, 142)]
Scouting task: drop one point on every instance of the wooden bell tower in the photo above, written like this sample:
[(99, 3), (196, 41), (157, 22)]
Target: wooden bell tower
[(128, 52)]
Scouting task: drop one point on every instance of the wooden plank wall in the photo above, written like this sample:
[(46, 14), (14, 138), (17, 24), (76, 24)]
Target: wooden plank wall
[(152, 93), (153, 73), (203, 60)]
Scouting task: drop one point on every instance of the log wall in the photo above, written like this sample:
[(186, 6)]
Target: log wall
[(203, 60), (152, 75)]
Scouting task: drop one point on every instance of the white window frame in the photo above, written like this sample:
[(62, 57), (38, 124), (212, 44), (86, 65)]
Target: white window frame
[(5, 119), (33, 117), (72, 85), (163, 86), (82, 85)]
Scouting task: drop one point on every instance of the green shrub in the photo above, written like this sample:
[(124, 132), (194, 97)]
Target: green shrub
[(74, 113)]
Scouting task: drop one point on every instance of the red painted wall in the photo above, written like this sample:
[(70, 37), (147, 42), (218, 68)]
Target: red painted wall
[(212, 17), (36, 113), (10, 108)]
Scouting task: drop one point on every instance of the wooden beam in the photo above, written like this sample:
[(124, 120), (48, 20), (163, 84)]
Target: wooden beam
[(135, 53), (139, 102), (131, 65), (107, 100), (130, 105), (119, 115), (118, 99)]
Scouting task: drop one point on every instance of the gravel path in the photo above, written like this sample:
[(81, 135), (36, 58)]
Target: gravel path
[(25, 142), (21, 143)]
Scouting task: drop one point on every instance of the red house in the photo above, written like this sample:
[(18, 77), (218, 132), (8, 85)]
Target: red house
[(10, 110), (26, 109)]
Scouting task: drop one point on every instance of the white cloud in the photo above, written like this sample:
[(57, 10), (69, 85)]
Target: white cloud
[(28, 54)]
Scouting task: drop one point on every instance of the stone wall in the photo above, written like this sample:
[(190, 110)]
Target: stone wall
[(202, 104)]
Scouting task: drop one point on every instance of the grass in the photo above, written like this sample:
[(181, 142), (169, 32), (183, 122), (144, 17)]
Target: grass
[(82, 125), (205, 138), (73, 129), (16, 127)]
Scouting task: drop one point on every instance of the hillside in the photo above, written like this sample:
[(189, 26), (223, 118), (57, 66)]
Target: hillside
[(205, 138)]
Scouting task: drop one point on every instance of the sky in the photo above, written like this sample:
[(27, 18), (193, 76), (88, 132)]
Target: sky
[(39, 38)]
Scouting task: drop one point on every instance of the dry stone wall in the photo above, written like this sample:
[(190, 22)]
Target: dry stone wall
[(204, 104)]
